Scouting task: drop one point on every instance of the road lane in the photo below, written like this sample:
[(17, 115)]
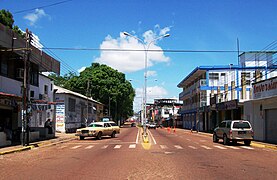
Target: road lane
[(178, 155)]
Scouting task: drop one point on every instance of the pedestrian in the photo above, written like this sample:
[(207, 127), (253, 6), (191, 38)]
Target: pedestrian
[(48, 125)]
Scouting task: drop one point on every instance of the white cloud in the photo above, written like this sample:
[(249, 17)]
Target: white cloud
[(35, 16), (151, 73), (154, 92), (131, 61), (81, 69)]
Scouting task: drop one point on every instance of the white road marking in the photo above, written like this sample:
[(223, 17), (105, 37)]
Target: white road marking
[(75, 147), (220, 147), (246, 147), (163, 146), (117, 147), (62, 147), (206, 147), (232, 147), (178, 147), (188, 139), (192, 147), (137, 135), (89, 147), (132, 146), (104, 147), (152, 137)]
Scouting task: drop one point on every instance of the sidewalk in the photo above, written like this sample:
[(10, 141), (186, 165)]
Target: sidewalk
[(253, 143), (59, 138)]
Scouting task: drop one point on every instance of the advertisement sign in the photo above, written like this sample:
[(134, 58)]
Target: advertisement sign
[(60, 117), (265, 89)]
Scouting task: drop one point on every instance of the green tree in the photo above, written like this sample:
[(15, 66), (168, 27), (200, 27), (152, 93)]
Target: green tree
[(6, 18), (105, 85)]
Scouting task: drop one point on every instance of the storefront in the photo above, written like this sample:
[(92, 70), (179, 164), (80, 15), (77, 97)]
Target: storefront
[(262, 110), (9, 119)]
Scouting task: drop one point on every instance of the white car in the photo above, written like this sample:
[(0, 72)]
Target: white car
[(234, 130), (98, 129)]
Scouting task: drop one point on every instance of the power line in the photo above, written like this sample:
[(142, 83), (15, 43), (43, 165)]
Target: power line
[(40, 7)]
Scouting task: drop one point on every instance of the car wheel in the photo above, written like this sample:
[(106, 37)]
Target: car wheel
[(99, 136), (113, 134), (82, 137), (215, 139), (225, 140), (247, 142)]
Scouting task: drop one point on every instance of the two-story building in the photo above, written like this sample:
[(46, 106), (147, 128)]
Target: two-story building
[(13, 60), (214, 93)]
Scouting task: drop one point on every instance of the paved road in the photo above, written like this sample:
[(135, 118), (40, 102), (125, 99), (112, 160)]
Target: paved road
[(180, 155)]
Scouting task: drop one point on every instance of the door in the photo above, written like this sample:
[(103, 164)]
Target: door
[(271, 125)]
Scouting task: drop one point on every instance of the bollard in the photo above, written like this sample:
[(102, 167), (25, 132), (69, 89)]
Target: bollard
[(174, 129)]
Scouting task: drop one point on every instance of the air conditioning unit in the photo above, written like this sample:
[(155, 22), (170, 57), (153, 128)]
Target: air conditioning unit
[(20, 73), (43, 97)]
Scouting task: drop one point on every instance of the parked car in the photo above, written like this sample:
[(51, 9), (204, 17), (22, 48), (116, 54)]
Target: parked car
[(98, 129), (234, 130), (152, 126)]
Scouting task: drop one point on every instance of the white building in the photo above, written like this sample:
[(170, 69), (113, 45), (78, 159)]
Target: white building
[(11, 81), (262, 110), (215, 93), (74, 110)]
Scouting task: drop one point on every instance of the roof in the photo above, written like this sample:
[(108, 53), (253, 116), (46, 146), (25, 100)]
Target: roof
[(7, 95), (61, 90)]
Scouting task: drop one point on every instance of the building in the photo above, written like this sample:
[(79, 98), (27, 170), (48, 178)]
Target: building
[(215, 93), (165, 112), (74, 110), (15, 56), (261, 111)]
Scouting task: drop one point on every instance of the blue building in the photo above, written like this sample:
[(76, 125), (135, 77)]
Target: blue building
[(211, 94)]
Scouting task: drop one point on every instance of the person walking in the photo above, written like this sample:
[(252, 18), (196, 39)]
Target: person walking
[(48, 125)]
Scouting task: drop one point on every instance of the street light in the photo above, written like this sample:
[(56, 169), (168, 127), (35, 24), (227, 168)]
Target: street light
[(146, 48)]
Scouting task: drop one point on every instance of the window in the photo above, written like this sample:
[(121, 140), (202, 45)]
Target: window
[(89, 108), (222, 74), (229, 124), (4, 67), (213, 76), (241, 125), (45, 89), (245, 74), (222, 124), (71, 104), (32, 94)]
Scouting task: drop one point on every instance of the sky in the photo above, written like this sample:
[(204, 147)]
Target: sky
[(198, 25)]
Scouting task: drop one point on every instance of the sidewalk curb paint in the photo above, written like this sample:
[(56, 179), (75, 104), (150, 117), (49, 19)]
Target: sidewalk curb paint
[(34, 145), (16, 150)]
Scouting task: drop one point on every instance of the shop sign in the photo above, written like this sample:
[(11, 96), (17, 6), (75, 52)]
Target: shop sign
[(229, 105), (60, 117), (265, 89)]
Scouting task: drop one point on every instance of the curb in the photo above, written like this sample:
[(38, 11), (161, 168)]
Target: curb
[(16, 150), (253, 143), (36, 145)]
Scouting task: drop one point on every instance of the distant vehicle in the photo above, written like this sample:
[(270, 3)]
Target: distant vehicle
[(234, 130), (98, 129), (152, 126)]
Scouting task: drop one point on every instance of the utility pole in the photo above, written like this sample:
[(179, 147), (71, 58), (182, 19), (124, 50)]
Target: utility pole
[(26, 85), (87, 101)]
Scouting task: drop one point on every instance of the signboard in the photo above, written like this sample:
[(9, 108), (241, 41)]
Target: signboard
[(60, 117), (265, 89)]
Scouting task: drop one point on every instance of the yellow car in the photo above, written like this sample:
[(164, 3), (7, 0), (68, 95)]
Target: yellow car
[(98, 129)]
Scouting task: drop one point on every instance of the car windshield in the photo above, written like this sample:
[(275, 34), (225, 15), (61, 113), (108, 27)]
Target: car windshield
[(95, 125), (241, 125)]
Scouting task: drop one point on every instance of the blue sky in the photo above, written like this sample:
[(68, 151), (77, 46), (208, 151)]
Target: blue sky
[(192, 25)]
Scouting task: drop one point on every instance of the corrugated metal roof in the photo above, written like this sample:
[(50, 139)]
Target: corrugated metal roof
[(61, 90)]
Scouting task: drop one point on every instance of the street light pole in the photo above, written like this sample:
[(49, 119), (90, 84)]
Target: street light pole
[(146, 48)]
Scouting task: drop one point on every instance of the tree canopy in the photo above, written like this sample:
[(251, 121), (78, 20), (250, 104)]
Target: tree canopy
[(6, 18), (103, 84)]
